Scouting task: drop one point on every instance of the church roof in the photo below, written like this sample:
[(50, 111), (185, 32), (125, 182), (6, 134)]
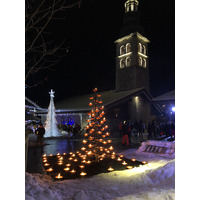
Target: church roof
[(80, 103), (169, 96)]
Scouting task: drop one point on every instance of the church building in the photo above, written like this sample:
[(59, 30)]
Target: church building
[(131, 100)]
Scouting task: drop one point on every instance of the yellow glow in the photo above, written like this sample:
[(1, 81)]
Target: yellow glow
[(111, 148), (119, 159), (64, 154), (129, 167), (51, 155), (126, 54), (133, 159), (84, 141), (73, 171), (70, 158), (46, 164), (124, 163), (110, 169), (50, 169), (75, 160), (81, 166), (68, 165), (141, 54), (83, 148), (67, 169), (44, 155), (83, 173)]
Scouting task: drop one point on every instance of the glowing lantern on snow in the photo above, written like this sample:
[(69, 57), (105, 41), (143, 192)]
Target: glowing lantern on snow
[(83, 173), (129, 167), (144, 162), (59, 176), (50, 169), (110, 169), (124, 163), (83, 148), (119, 159)]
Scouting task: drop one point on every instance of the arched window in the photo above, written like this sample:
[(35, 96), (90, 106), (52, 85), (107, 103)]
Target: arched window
[(122, 50), (128, 62), (144, 63), (122, 63), (140, 61), (144, 50), (140, 47), (128, 47)]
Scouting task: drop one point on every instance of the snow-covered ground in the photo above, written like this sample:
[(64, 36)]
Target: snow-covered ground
[(155, 181)]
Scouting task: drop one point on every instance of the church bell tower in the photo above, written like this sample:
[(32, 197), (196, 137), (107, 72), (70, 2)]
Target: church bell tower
[(132, 69)]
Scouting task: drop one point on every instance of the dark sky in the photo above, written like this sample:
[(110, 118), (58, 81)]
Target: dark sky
[(90, 33)]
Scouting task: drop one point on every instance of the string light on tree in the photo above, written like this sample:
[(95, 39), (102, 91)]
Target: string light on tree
[(51, 129)]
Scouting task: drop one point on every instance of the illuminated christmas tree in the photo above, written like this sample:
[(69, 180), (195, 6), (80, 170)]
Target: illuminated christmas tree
[(51, 129), (96, 145), (96, 156)]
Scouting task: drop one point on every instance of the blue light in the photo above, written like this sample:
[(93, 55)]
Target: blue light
[(173, 109)]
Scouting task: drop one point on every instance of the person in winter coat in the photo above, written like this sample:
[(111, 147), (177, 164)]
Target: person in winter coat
[(125, 134), (40, 131)]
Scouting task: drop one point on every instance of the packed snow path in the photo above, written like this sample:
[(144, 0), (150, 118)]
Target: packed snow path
[(155, 181)]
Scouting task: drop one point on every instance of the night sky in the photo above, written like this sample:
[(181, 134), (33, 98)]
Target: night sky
[(89, 33)]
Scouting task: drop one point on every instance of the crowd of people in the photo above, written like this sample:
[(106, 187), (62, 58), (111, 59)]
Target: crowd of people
[(72, 129), (135, 130)]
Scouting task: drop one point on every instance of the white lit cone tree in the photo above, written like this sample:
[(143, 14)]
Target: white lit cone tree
[(51, 129), (96, 145)]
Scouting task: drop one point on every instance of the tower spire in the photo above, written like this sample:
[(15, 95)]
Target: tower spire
[(131, 6)]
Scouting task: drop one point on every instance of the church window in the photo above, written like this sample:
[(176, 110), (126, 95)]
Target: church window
[(140, 47), (144, 50), (140, 61), (122, 63), (144, 63), (128, 47), (128, 62), (122, 50)]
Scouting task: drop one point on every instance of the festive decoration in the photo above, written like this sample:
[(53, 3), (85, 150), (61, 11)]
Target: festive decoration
[(95, 156), (97, 147), (51, 129)]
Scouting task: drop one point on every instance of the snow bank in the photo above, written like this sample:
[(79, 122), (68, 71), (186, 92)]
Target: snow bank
[(153, 181)]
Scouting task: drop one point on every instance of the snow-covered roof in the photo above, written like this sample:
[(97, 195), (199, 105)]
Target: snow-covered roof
[(29, 104), (169, 96), (80, 103)]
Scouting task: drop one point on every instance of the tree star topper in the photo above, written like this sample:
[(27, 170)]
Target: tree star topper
[(51, 93)]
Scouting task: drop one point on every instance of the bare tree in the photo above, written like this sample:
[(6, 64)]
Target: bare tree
[(42, 53)]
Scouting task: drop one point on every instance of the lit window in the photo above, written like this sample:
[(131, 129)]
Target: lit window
[(140, 47), (144, 50), (128, 62), (128, 47), (144, 63), (122, 50), (122, 63), (140, 61)]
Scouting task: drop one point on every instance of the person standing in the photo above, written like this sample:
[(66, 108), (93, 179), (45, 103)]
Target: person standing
[(40, 131), (125, 134)]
